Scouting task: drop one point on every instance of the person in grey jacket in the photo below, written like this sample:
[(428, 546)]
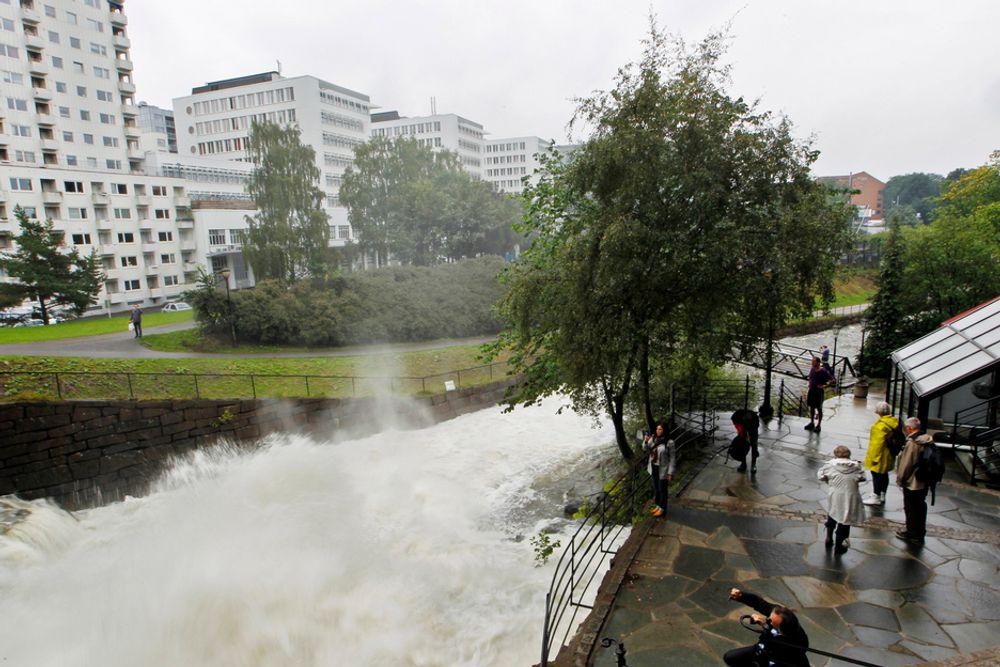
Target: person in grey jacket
[(663, 460), (914, 490), (844, 507)]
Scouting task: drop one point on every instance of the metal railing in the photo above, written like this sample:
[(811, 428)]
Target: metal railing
[(975, 430), (581, 564), (82, 385)]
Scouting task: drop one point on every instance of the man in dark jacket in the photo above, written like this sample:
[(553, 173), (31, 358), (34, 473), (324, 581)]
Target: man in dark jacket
[(782, 640), (136, 319)]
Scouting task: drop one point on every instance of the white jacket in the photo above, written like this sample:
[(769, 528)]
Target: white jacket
[(843, 496)]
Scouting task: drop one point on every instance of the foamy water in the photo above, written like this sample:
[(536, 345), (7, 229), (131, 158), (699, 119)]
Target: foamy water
[(397, 549)]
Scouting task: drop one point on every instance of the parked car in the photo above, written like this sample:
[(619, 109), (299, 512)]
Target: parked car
[(175, 306), (30, 323)]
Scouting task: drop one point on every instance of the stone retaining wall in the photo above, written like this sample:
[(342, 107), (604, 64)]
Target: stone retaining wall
[(85, 453)]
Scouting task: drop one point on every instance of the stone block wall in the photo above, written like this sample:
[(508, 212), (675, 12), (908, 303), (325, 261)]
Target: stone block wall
[(85, 453)]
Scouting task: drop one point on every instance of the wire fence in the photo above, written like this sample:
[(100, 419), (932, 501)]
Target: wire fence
[(91, 385)]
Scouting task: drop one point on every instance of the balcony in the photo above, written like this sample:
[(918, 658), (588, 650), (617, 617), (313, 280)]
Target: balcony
[(188, 246), (156, 293), (121, 41), (100, 198), (34, 42), (126, 87), (130, 110), (123, 64), (132, 131), (190, 267), (49, 145), (52, 197), (30, 16), (146, 223), (38, 67), (116, 297), (118, 18), (149, 246), (105, 224), (135, 153), (185, 224), (45, 119), (144, 200), (182, 201), (152, 269), (42, 94)]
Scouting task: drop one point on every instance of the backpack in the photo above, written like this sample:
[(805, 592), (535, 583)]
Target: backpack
[(897, 439), (930, 467), (738, 448)]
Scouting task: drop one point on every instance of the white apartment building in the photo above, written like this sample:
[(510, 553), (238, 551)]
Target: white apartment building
[(69, 148), (215, 120), (440, 131), (509, 160)]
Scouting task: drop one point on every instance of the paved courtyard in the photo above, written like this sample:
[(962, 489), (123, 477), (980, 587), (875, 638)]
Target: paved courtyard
[(885, 601)]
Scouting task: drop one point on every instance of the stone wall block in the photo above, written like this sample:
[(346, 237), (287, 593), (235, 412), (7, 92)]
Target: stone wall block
[(11, 413)]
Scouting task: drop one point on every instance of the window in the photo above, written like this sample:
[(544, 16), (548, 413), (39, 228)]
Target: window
[(9, 51), (67, 136), (113, 164), (77, 213), (159, 191), (164, 237), (81, 239), (11, 77), (22, 184), (88, 138), (169, 280), (20, 130), (64, 112), (111, 142), (57, 62), (53, 36), (71, 161), (71, 18), (161, 213), (60, 86), (84, 114), (17, 104), (343, 231), (236, 236), (81, 91), (24, 156), (74, 42), (216, 236), (126, 237), (167, 258), (131, 285), (50, 11), (123, 214), (119, 189), (6, 24), (73, 186), (99, 49), (102, 72), (108, 119), (92, 162), (130, 260), (95, 25), (78, 67), (104, 95)]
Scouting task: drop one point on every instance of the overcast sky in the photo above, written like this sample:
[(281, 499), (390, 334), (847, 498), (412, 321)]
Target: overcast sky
[(884, 86)]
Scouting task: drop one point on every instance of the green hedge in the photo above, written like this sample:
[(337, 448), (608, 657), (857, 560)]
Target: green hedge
[(391, 305)]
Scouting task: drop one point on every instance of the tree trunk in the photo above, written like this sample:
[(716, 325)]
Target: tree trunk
[(644, 382), (615, 408), (45, 311)]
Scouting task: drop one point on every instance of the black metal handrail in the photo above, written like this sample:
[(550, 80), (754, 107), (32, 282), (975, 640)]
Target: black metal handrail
[(975, 429), (129, 384), (694, 413)]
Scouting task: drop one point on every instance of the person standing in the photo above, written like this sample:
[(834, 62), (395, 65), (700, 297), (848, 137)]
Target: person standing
[(878, 458), (782, 640), (824, 353), (914, 490), (843, 499), (136, 319), (664, 451), (819, 380), (747, 425)]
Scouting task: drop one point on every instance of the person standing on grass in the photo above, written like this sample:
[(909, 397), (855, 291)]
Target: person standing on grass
[(136, 319), (843, 507), (819, 380), (878, 458)]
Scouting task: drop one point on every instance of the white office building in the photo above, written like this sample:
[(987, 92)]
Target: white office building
[(69, 148), (440, 132), (215, 120), (157, 126), (511, 159)]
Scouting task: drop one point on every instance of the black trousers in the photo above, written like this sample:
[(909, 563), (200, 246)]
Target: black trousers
[(915, 508), (742, 657), (880, 482), (843, 530), (137, 329)]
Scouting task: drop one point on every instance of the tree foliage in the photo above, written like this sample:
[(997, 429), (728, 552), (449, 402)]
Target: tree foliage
[(46, 272), (685, 212), (288, 237), (932, 273), (394, 304), (416, 205), (917, 191)]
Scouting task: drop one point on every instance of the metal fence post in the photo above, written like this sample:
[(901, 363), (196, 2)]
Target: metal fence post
[(781, 401), (197, 391), (58, 386), (128, 376), (307, 386), (354, 388), (253, 387)]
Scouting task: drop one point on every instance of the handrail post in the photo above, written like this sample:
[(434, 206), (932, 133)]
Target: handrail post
[(545, 629)]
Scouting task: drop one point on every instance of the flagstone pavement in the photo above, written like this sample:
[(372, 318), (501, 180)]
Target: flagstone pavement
[(885, 601)]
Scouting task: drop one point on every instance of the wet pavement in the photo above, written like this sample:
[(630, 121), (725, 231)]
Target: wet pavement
[(884, 601)]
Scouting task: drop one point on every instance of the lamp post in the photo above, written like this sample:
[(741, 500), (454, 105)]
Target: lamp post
[(766, 410), (836, 335), (224, 274)]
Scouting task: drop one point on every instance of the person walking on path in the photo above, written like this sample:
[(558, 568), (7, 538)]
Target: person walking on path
[(819, 380), (878, 458), (663, 462), (914, 490), (136, 319), (782, 640), (843, 507), (747, 425), (824, 352)]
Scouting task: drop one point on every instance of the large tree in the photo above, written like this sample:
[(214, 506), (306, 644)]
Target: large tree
[(918, 191), (45, 271), (648, 241), (288, 237), (416, 205)]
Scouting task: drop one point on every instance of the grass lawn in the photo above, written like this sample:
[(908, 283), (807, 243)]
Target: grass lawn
[(404, 372), (852, 289), (88, 327)]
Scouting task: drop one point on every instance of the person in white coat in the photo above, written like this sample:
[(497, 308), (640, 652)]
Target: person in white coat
[(844, 507)]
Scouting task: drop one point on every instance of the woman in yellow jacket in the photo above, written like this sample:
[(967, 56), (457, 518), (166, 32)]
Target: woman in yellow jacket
[(879, 459)]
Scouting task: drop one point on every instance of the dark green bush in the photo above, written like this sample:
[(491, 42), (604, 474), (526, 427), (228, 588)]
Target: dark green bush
[(396, 304)]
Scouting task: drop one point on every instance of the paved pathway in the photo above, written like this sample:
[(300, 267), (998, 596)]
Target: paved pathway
[(126, 346), (884, 601)]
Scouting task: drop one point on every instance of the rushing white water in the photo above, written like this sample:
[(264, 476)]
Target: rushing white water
[(397, 549)]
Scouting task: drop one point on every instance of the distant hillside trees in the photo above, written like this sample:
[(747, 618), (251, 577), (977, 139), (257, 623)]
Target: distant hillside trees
[(418, 206)]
